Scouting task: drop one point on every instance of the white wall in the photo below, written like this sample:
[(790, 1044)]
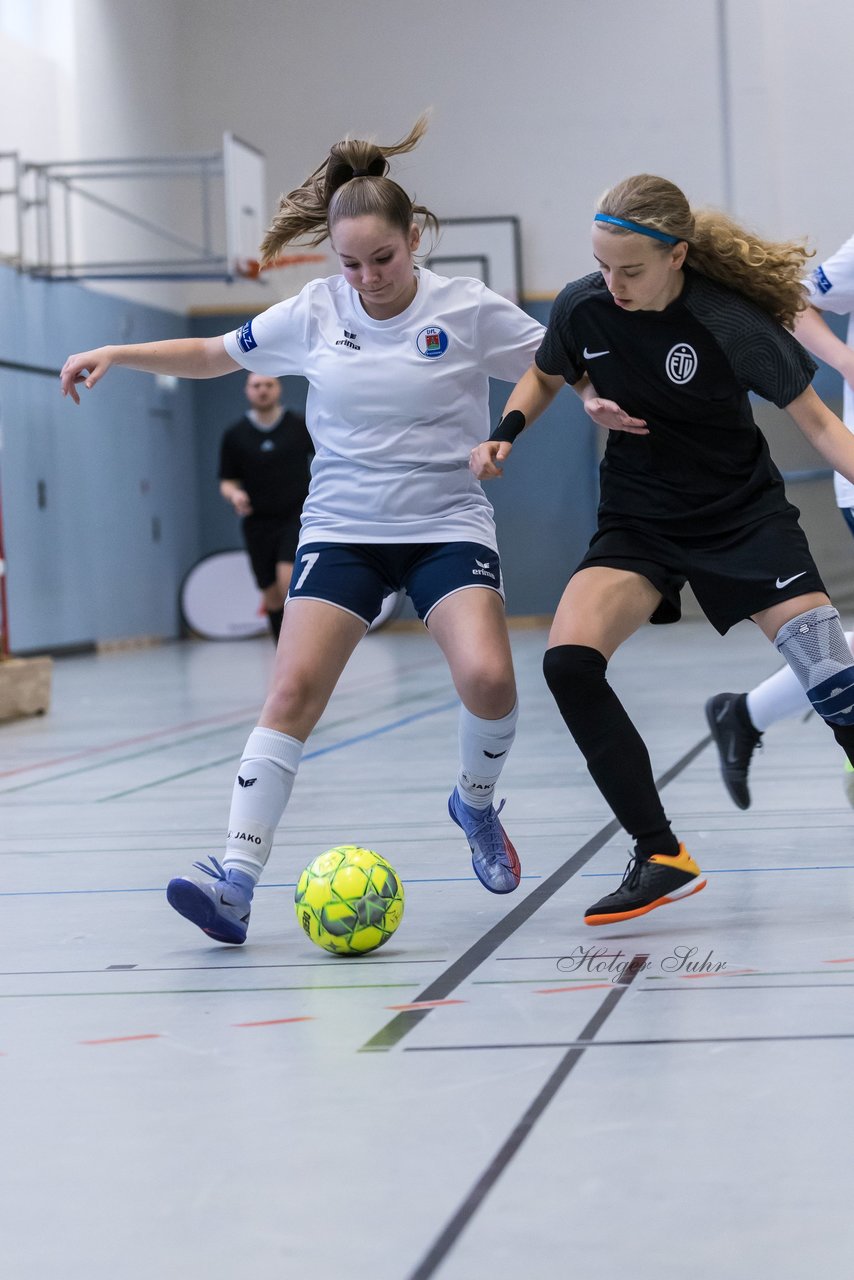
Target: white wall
[(536, 108)]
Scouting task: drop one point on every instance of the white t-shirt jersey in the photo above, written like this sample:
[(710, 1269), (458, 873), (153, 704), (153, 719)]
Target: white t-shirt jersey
[(394, 406), (831, 288)]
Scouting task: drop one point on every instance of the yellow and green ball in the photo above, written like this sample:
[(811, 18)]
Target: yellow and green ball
[(349, 900)]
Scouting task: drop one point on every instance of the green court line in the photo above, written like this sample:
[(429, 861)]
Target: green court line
[(200, 991), (185, 773), (180, 742), (107, 761)]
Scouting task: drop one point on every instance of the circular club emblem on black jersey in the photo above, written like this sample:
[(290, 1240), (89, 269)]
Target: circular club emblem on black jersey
[(432, 342), (681, 363)]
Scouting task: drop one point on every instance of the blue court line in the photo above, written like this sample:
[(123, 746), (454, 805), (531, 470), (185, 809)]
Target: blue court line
[(384, 728), (51, 893), (735, 871), (291, 884), (310, 755)]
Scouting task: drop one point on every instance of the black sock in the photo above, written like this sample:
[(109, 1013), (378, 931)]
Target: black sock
[(616, 756), (275, 616), (844, 735)]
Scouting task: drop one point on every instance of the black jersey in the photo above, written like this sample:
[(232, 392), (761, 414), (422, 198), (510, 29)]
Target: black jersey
[(687, 371), (271, 465)]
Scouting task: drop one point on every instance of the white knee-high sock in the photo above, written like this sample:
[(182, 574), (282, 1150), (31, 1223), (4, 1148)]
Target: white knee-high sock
[(262, 789), (781, 695), (484, 745)]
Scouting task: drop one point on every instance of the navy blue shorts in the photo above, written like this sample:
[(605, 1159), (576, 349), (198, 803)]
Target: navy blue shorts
[(358, 576)]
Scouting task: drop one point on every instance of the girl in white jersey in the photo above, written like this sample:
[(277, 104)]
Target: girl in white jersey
[(686, 316), (738, 720), (398, 362)]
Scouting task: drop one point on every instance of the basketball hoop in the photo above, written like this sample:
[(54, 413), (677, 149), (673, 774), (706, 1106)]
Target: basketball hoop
[(251, 269)]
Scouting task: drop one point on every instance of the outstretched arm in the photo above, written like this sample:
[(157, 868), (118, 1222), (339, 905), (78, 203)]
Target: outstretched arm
[(532, 394), (812, 330), (181, 357), (825, 431)]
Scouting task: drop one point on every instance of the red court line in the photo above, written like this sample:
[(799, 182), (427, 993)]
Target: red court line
[(843, 960), (424, 1004), (729, 973), (151, 1035), (130, 742), (271, 1022), (584, 986), (237, 715)]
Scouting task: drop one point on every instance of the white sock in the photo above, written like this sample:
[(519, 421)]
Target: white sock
[(781, 695), (484, 745), (262, 789)]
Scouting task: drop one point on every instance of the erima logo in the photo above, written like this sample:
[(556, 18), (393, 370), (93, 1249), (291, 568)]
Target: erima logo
[(349, 340), (246, 782), (483, 570), (495, 755)]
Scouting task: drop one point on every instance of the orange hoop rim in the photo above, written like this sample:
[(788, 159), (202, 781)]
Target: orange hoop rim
[(251, 269)]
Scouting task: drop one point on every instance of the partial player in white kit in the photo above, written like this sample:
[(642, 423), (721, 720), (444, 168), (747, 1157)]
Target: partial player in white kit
[(398, 362), (738, 720)]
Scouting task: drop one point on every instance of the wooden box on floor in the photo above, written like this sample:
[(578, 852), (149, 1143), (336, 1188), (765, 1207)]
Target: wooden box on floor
[(24, 687)]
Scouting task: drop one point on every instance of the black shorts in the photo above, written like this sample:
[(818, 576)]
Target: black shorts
[(733, 575), (270, 540), (358, 576)]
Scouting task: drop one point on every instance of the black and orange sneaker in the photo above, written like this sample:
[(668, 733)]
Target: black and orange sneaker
[(647, 884)]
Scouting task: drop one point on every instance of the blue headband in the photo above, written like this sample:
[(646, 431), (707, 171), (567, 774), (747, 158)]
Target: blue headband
[(637, 226)]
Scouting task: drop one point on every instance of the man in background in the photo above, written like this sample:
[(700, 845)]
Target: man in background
[(264, 474)]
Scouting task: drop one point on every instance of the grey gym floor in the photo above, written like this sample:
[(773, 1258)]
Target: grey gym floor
[(176, 1108)]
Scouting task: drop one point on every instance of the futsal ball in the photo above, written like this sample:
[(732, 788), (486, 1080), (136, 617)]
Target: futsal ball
[(349, 900)]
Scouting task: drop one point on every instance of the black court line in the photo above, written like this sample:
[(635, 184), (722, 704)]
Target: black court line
[(399, 1026), (448, 1237), (581, 1043)]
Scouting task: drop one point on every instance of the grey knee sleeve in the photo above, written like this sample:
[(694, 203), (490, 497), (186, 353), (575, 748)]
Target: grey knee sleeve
[(814, 646)]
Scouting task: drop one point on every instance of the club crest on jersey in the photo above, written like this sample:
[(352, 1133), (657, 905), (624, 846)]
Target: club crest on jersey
[(681, 363), (432, 342)]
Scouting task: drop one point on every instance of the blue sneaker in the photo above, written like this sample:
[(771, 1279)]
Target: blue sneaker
[(495, 861), (221, 910)]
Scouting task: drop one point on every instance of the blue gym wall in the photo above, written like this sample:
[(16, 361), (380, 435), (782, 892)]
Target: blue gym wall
[(107, 506), (100, 506), (544, 504)]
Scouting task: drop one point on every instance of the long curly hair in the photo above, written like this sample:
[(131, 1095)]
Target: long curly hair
[(350, 182), (768, 272)]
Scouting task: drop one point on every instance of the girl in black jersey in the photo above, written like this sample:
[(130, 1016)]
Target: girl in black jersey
[(684, 317)]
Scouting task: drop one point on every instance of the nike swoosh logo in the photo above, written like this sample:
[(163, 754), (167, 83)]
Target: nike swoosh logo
[(591, 355), (784, 582)]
